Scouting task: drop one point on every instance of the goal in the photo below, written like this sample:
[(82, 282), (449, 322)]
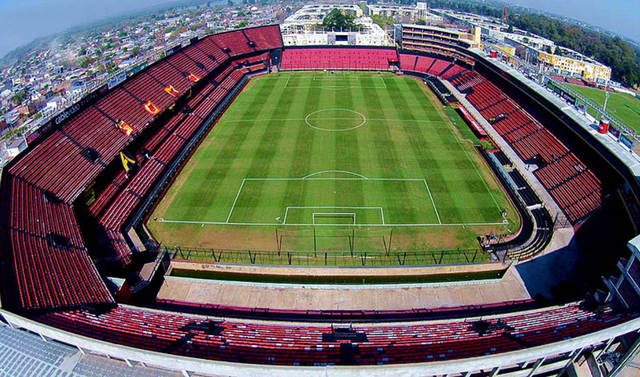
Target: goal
[(334, 218), (350, 237)]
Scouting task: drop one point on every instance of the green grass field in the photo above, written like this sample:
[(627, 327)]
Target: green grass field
[(305, 152), (623, 106)]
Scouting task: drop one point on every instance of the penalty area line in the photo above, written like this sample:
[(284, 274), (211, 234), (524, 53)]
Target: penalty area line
[(432, 201), (308, 224), (234, 202)]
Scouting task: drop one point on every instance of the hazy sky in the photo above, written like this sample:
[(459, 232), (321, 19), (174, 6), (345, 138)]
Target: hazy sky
[(620, 16), (24, 20)]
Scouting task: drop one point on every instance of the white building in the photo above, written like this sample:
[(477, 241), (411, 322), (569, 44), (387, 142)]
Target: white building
[(15, 147), (294, 34), (55, 103), (303, 28), (403, 13), (313, 14)]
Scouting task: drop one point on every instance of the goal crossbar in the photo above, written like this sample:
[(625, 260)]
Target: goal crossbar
[(334, 214)]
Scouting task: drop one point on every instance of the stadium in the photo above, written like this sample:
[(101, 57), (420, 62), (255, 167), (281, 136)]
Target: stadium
[(241, 207)]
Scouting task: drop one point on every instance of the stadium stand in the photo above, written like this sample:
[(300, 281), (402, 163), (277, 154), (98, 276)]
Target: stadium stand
[(573, 186), (438, 67), (169, 75), (429, 65), (46, 270), (45, 260), (264, 38), (161, 153), (408, 62), (300, 344), (26, 354), (351, 316), (423, 64), (233, 43), (338, 58), (453, 72), (212, 50)]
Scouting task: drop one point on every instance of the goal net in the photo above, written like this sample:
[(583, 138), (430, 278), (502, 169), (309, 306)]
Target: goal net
[(334, 238), (334, 218)]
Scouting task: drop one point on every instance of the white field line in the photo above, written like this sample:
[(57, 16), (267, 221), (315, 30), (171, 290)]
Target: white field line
[(351, 214), (234, 201), (334, 179), (302, 120), (475, 168), (335, 73), (336, 77), (286, 212), (305, 224), (334, 171), (345, 77), (432, 201), (334, 87), (310, 177)]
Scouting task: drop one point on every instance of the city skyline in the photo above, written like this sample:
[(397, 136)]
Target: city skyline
[(31, 19), (23, 23)]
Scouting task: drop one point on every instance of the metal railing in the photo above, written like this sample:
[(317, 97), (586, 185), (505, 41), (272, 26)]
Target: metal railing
[(358, 258), (597, 108)]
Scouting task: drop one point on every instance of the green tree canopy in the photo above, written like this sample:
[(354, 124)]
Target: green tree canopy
[(336, 20)]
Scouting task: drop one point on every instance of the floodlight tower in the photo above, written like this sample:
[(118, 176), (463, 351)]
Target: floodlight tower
[(606, 96)]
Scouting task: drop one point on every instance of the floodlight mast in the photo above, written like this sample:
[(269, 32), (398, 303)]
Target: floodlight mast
[(606, 96)]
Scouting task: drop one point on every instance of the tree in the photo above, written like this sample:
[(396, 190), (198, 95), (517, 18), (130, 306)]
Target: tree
[(421, 22), (84, 63), (20, 96), (229, 3), (383, 22), (613, 52), (336, 20)]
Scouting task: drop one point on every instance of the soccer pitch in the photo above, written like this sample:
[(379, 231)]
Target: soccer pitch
[(621, 105), (322, 151)]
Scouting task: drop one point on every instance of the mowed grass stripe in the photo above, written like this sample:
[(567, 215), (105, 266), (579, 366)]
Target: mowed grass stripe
[(204, 190), (308, 101), (253, 155), (412, 134), (388, 155), (265, 136), (263, 152), (348, 157), (463, 190), (364, 148)]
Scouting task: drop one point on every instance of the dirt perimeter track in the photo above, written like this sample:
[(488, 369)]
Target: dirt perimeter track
[(349, 297)]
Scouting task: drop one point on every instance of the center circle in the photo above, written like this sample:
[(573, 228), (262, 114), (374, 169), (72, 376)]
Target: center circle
[(335, 120)]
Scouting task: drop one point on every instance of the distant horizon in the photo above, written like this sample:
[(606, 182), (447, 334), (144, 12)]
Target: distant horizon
[(26, 21), (29, 20), (621, 17)]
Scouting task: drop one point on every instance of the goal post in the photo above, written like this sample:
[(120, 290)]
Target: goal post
[(334, 218), (373, 238), (334, 238)]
